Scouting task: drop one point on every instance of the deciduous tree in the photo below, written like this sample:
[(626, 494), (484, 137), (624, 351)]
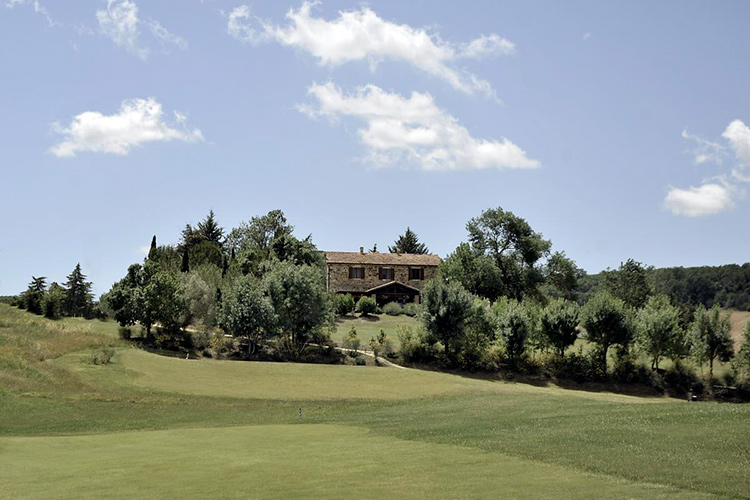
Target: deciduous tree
[(710, 337)]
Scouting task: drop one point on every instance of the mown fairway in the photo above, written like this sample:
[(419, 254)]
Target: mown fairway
[(148, 426)]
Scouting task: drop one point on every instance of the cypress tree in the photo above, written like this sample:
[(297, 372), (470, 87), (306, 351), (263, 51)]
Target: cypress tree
[(185, 261), (153, 248)]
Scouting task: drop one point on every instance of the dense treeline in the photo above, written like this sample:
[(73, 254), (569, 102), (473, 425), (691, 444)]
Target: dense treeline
[(728, 285)]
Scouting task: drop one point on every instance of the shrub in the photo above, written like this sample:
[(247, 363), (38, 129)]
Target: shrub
[(680, 379), (385, 345), (198, 340), (366, 306), (344, 304), (102, 356), (125, 333), (360, 361), (411, 309), (393, 309), (414, 346)]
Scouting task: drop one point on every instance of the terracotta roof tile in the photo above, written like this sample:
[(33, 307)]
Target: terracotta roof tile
[(385, 259)]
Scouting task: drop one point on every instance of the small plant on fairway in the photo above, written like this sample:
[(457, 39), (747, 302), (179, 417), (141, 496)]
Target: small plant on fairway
[(351, 341)]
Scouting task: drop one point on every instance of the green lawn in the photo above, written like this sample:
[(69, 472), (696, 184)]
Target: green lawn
[(369, 327), (149, 426)]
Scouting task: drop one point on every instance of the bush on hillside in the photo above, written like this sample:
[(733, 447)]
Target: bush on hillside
[(366, 306), (102, 356), (344, 304)]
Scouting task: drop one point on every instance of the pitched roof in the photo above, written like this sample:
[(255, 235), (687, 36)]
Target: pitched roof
[(391, 283), (385, 259)]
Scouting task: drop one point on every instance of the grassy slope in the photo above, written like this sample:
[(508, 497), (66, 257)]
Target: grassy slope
[(476, 431)]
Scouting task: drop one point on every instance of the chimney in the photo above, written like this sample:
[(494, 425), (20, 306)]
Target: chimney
[(361, 249)]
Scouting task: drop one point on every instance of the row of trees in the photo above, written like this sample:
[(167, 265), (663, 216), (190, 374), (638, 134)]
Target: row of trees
[(72, 298), (471, 329)]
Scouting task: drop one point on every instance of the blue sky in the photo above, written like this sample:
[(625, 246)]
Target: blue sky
[(617, 129)]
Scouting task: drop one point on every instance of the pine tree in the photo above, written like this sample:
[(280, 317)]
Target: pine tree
[(408, 243), (78, 298), (209, 229), (34, 294)]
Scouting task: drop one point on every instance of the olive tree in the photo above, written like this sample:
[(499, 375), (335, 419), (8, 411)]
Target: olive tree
[(447, 309), (658, 330), (559, 324), (606, 321), (247, 313), (710, 337)]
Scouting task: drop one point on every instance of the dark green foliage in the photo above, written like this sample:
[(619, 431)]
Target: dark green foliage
[(185, 267), (300, 252), (629, 283), (152, 249), (78, 296), (728, 286), (210, 231), (343, 304), (407, 243), (205, 253), (514, 248), (562, 276), (53, 302), (606, 321), (447, 309), (247, 313), (366, 306), (474, 271), (559, 325), (680, 380), (514, 328), (260, 232), (710, 337), (34, 294)]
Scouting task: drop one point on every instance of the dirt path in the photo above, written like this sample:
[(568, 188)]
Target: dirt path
[(378, 359)]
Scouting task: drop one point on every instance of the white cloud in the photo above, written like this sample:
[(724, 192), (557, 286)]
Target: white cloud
[(138, 121), (165, 37), (120, 23), (361, 35), (413, 129), (707, 199), (38, 8), (738, 135)]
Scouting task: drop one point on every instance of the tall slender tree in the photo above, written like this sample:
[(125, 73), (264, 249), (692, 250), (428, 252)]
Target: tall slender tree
[(152, 250), (408, 243), (209, 229), (34, 294)]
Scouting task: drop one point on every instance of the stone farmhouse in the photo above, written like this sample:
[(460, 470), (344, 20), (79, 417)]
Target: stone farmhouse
[(386, 277)]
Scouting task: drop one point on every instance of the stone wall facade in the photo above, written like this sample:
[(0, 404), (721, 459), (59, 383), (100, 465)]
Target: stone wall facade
[(339, 281)]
